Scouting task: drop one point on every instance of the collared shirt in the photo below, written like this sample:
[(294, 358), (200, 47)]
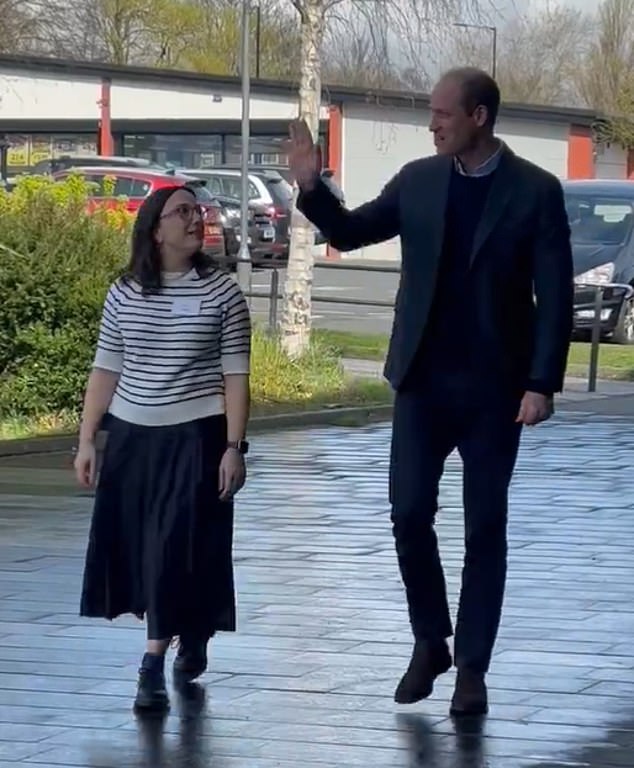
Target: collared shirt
[(485, 168)]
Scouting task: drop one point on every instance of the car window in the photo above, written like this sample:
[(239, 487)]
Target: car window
[(97, 182), (281, 192), (95, 188), (139, 188), (203, 195), (214, 185), (231, 186), (116, 186), (122, 187), (600, 220)]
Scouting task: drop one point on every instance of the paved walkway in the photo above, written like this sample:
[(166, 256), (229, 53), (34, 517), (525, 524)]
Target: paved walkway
[(323, 638)]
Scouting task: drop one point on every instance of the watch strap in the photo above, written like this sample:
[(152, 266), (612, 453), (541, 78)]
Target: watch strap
[(242, 446)]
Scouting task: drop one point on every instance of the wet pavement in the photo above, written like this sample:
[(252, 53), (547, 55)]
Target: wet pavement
[(323, 635)]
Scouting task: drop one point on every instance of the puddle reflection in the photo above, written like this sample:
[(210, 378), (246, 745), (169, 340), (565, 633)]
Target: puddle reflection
[(191, 748), (432, 749)]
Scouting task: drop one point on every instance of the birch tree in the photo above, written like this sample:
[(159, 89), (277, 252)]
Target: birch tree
[(406, 23)]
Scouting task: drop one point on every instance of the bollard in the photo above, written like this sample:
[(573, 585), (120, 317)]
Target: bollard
[(275, 289), (596, 340)]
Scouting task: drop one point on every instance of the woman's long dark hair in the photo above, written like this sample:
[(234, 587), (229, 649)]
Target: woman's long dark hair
[(145, 259)]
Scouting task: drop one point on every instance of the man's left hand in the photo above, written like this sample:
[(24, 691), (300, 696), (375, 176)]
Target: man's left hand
[(535, 408)]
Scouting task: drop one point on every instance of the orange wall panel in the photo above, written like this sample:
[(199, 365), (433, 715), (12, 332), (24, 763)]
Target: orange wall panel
[(580, 153), (335, 149)]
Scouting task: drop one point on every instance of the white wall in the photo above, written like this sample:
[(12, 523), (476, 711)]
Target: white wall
[(26, 97), (23, 96), (543, 143), (610, 162), (193, 101), (377, 141)]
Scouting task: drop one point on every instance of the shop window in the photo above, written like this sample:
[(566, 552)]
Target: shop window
[(175, 150), (26, 151)]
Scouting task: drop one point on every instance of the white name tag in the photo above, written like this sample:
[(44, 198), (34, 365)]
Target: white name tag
[(187, 307)]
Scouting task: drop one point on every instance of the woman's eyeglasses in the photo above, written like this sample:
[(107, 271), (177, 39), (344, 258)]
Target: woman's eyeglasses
[(186, 212)]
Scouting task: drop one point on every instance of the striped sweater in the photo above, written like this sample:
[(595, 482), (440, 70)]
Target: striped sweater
[(172, 349)]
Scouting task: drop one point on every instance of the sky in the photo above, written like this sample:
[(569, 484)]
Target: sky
[(535, 6)]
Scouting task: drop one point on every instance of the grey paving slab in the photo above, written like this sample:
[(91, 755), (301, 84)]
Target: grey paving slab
[(323, 634)]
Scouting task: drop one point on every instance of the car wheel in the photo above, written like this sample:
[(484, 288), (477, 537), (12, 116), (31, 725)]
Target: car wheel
[(624, 331)]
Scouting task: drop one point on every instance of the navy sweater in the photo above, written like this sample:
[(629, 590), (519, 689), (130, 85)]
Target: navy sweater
[(448, 353)]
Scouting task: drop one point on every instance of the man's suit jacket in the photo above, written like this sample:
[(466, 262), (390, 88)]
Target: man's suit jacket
[(521, 264)]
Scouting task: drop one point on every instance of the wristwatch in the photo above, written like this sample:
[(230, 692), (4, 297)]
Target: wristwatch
[(242, 446)]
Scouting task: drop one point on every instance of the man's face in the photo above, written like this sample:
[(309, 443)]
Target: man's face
[(455, 131)]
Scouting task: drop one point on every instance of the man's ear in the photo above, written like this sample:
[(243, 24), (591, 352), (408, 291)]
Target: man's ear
[(480, 115)]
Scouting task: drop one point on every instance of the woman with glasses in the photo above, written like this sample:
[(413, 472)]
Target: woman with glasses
[(171, 371)]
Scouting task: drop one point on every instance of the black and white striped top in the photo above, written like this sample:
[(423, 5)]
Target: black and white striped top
[(173, 348)]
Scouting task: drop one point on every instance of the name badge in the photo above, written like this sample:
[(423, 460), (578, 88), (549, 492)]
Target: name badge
[(186, 307)]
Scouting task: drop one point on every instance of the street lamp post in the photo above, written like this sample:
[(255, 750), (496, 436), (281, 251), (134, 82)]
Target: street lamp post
[(494, 41), (243, 267)]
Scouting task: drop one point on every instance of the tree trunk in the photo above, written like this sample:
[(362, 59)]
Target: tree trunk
[(296, 309)]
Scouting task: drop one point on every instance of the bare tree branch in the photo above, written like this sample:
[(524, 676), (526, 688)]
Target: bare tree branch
[(606, 80), (538, 56)]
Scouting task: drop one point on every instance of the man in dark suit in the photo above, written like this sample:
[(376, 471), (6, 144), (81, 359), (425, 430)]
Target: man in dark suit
[(479, 346)]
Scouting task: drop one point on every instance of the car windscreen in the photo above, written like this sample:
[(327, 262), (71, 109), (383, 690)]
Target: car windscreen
[(599, 219)]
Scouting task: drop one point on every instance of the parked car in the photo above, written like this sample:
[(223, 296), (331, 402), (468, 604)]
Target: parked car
[(53, 165), (267, 189), (282, 170), (135, 184), (261, 233), (272, 171), (601, 219)]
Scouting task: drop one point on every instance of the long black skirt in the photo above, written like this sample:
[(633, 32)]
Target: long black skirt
[(160, 544)]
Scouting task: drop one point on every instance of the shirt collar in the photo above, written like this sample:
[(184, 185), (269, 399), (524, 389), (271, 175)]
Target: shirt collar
[(485, 168)]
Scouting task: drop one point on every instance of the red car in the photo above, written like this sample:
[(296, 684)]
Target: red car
[(135, 184)]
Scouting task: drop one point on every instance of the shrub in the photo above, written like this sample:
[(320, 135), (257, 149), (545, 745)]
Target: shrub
[(49, 370), (56, 262)]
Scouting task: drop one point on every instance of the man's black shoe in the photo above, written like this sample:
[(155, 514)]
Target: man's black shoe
[(426, 664), (470, 697)]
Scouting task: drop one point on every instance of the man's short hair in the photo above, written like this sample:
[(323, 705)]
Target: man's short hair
[(479, 89)]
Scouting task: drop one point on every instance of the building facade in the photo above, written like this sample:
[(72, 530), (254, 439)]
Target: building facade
[(49, 108)]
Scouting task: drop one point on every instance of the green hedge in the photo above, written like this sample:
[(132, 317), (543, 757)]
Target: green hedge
[(56, 262)]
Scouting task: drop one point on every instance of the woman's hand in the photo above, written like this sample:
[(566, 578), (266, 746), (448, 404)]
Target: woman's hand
[(232, 474), (85, 464)]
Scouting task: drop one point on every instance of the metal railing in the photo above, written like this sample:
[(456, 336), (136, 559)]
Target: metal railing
[(595, 339), (274, 296), (597, 322)]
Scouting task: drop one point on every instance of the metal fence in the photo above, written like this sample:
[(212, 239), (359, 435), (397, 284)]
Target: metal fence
[(274, 295)]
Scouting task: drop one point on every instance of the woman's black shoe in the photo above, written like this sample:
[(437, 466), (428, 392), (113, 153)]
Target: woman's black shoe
[(190, 661), (151, 692)]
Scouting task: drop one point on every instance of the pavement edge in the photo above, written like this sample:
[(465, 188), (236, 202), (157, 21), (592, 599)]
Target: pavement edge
[(336, 416)]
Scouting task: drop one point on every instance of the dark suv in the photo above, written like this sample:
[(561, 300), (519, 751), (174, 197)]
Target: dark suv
[(601, 216)]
